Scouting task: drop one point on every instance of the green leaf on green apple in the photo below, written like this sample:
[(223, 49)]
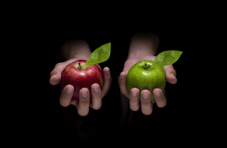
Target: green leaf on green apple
[(167, 57), (99, 55)]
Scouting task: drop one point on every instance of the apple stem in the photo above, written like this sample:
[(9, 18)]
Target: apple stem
[(146, 65), (79, 66)]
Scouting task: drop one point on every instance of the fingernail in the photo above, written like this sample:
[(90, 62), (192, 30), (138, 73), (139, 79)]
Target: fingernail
[(157, 94), (53, 79), (84, 94), (133, 94), (122, 77), (145, 96), (54, 75), (68, 90), (96, 89), (107, 72), (172, 74)]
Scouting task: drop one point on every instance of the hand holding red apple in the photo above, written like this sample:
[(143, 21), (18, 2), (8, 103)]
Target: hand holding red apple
[(80, 76), (83, 83)]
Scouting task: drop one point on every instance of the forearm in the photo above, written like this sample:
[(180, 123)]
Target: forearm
[(143, 45), (75, 49)]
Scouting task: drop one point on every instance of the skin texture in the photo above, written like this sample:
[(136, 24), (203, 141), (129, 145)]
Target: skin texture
[(144, 46), (143, 77), (79, 50)]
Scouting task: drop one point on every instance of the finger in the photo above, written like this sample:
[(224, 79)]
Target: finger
[(55, 74), (134, 99), (66, 95), (96, 102), (55, 79), (122, 84), (159, 97), (146, 105), (84, 102), (58, 68), (170, 74), (107, 81)]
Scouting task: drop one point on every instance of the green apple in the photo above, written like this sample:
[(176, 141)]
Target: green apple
[(147, 74), (143, 76)]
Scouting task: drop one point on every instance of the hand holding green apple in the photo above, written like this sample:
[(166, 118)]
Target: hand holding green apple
[(148, 75)]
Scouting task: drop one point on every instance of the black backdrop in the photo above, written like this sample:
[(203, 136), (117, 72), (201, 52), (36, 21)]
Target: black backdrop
[(34, 34), (49, 119), (33, 38)]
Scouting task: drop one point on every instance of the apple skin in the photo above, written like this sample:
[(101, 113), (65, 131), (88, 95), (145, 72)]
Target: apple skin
[(81, 78), (142, 76)]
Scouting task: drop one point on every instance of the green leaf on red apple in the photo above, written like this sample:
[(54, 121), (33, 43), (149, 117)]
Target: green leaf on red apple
[(167, 57), (99, 55)]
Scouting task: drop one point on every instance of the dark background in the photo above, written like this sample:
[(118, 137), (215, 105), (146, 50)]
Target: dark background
[(42, 116), (32, 36)]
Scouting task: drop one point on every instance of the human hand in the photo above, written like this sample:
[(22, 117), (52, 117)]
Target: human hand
[(133, 96), (144, 46), (83, 104)]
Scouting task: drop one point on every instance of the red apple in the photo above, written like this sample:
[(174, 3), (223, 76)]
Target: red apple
[(80, 76)]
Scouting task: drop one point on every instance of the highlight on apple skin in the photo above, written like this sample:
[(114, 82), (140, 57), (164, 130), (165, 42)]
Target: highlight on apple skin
[(80, 76)]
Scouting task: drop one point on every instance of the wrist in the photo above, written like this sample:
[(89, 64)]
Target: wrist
[(79, 56), (76, 49), (140, 52), (143, 45)]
